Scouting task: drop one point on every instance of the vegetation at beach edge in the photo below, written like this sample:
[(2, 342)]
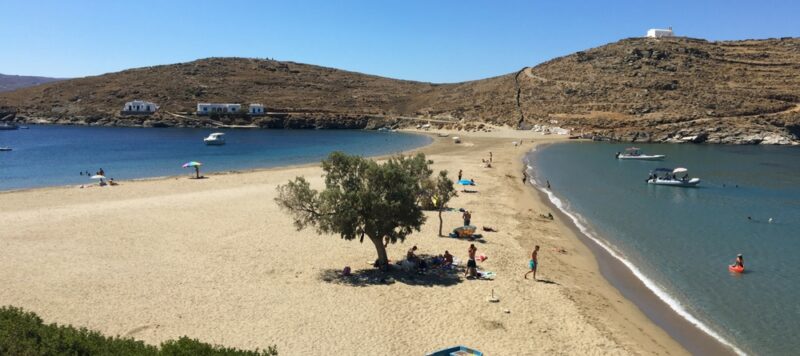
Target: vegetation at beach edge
[(25, 333)]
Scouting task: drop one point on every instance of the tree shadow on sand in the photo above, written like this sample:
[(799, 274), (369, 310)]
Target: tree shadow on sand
[(435, 276)]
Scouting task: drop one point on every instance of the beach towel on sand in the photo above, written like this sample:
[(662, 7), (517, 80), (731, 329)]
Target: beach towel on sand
[(486, 275)]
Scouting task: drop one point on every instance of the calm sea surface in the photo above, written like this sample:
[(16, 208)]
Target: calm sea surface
[(682, 239), (55, 155)]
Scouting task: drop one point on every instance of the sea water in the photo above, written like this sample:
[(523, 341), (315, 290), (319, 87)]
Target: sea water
[(681, 240), (56, 155)]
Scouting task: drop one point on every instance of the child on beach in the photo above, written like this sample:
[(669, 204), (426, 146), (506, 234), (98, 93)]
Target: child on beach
[(533, 262)]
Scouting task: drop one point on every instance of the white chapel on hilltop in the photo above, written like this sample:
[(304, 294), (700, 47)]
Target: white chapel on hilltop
[(658, 33)]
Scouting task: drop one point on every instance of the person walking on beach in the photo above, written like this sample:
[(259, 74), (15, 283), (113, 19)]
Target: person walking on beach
[(490, 156), (524, 176), (533, 262), (459, 174), (467, 217), (472, 266)]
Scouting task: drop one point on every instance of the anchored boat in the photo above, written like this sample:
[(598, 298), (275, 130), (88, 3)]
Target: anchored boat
[(215, 139), (678, 177), (636, 153)]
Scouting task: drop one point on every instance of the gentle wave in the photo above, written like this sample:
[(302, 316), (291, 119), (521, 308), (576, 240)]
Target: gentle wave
[(673, 303)]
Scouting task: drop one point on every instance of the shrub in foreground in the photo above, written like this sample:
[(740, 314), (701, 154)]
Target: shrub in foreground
[(24, 333)]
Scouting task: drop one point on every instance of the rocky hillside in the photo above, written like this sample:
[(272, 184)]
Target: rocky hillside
[(674, 89), (14, 82)]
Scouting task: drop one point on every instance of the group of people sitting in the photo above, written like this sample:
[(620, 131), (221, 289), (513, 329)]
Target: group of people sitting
[(440, 261)]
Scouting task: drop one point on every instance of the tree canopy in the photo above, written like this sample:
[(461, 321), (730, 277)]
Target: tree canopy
[(361, 198)]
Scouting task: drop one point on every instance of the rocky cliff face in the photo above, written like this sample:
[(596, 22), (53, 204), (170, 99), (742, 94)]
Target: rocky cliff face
[(640, 90)]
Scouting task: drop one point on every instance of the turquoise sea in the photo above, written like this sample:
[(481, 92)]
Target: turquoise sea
[(55, 155), (679, 241)]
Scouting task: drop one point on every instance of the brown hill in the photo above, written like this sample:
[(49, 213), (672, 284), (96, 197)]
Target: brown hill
[(14, 82), (673, 89)]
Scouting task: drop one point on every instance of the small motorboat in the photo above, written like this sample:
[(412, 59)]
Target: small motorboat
[(5, 149), (7, 126), (668, 176), (215, 139), (636, 153)]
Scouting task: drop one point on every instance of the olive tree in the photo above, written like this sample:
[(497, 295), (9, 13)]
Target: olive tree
[(442, 190), (361, 199)]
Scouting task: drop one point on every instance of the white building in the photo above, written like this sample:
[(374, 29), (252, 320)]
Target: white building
[(139, 107), (257, 109), (209, 108), (658, 33)]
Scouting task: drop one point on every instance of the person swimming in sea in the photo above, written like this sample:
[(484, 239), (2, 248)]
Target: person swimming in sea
[(739, 261)]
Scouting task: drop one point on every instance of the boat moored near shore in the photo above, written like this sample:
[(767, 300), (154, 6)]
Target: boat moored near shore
[(215, 139), (636, 154), (669, 176)]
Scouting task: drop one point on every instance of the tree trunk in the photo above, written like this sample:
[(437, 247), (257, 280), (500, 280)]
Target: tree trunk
[(440, 223), (383, 260)]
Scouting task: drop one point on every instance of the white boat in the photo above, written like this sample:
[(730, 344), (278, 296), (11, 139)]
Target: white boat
[(215, 139), (668, 176), (5, 149), (636, 153)]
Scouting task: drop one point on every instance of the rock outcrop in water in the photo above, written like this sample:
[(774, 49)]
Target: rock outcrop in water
[(638, 90)]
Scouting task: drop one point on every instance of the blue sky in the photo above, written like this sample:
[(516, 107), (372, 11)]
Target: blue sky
[(436, 41)]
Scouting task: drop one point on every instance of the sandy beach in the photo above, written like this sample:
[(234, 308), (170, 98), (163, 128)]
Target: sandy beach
[(215, 259)]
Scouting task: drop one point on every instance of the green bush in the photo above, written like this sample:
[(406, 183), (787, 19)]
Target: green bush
[(24, 333)]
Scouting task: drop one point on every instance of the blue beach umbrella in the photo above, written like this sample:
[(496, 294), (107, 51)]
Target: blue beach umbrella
[(196, 166)]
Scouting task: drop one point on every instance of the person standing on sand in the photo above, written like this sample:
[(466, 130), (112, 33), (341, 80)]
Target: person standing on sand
[(534, 261), (524, 176), (490, 156), (467, 217), (472, 266), (459, 174)]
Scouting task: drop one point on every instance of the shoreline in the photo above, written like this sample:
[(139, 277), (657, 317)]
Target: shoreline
[(230, 171), (573, 311), (657, 304)]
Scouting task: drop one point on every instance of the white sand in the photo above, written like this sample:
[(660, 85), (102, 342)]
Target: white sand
[(215, 259)]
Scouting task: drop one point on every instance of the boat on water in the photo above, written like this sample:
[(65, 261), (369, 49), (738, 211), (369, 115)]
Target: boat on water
[(670, 177), (215, 139), (636, 153), (8, 126), (5, 149)]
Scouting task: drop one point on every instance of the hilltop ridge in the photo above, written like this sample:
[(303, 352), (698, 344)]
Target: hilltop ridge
[(637, 89)]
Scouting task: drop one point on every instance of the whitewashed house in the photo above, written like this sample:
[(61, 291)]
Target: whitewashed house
[(256, 110), (209, 108), (658, 33), (139, 107)]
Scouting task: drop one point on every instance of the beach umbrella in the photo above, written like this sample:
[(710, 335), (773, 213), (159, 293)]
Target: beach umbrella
[(466, 182), (97, 176), (196, 166)]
